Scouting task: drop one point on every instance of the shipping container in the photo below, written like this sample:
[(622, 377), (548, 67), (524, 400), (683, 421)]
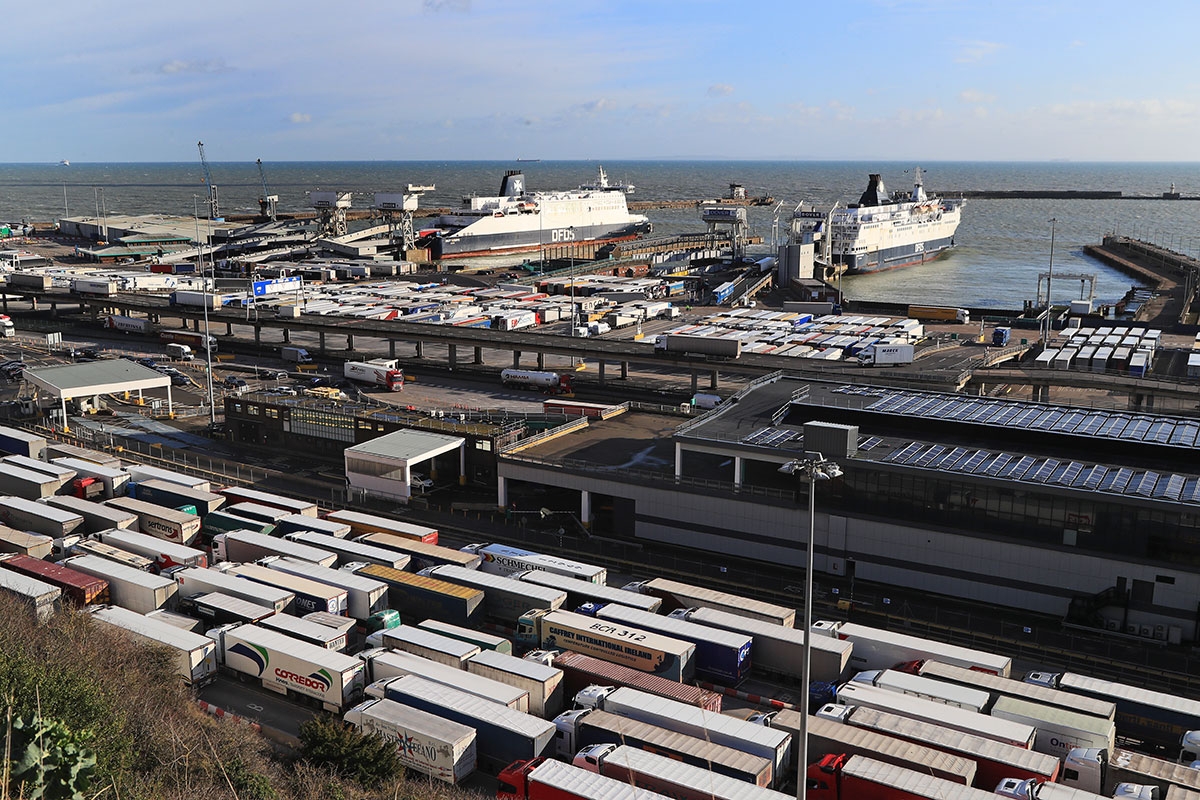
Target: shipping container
[(505, 600), (175, 495), (542, 683), (248, 545), (581, 671), (362, 524), (501, 559), (383, 664), (112, 479), (155, 520), (127, 587), (308, 595), (28, 515), (779, 649), (484, 641), (194, 581), (427, 644), (348, 551), (194, 656), (306, 631), (681, 595), (722, 656), (41, 597), (423, 597), (425, 743), (649, 652), (364, 596), (503, 735), (97, 517), (218, 608), (79, 587), (580, 592), (422, 555)]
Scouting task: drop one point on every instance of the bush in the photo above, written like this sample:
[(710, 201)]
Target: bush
[(371, 761)]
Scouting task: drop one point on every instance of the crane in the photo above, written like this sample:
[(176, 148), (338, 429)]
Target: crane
[(213, 212), (268, 201)]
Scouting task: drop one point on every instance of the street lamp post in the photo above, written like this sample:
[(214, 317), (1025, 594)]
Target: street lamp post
[(1049, 283), (813, 467), (212, 409)]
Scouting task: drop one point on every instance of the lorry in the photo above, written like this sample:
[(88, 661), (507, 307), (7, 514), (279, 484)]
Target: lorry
[(194, 656), (685, 344), (1101, 771), (841, 777), (721, 656), (97, 517), (500, 559), (424, 597), (139, 473), (383, 665), (998, 687), (307, 631), (939, 314), (505, 600), (959, 719), (17, 442), (649, 652), (193, 581), (878, 355), (295, 355), (1059, 730), (1001, 337), (423, 554), (36, 545), (543, 779), (1153, 717), (717, 728), (218, 608), (289, 666), (155, 520), (255, 512), (364, 596), (42, 598), (425, 742), (173, 495), (829, 737), (546, 382), (879, 649), (179, 352), (27, 515), (580, 728), (127, 587), (581, 671), (193, 340), (648, 770), (349, 552), (675, 594), (778, 649), (61, 474), (426, 644), (301, 523), (581, 593), (248, 545), (7, 328), (110, 553), (993, 760), (165, 554), (308, 595), (289, 505), (503, 735), (80, 588), (362, 524), (542, 684), (389, 378), (928, 688), (26, 483), (481, 639)]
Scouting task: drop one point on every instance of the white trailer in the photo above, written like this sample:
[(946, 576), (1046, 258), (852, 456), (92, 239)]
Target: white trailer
[(141, 472), (999, 687), (246, 545), (43, 599), (543, 683), (35, 545), (777, 648), (504, 599), (425, 743), (127, 587), (97, 517), (289, 666), (304, 508), (165, 523), (364, 596), (26, 477), (677, 595), (307, 631), (1059, 731), (383, 664), (349, 551), (500, 559), (193, 581), (389, 378), (959, 719), (27, 515), (113, 480), (309, 595), (165, 554), (879, 649), (927, 688), (580, 592), (195, 655), (427, 644)]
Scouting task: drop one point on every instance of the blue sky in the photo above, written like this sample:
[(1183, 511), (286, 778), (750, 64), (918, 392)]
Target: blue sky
[(134, 80)]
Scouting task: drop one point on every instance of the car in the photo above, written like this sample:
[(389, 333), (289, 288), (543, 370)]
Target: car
[(419, 481), (234, 382), (148, 362)]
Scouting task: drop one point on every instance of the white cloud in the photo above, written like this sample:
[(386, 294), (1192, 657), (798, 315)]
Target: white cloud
[(297, 118), (720, 90), (178, 66), (457, 6), (974, 51), (976, 96)]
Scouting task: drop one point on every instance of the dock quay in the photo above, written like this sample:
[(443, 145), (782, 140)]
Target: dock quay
[(1059, 194), (1172, 275)]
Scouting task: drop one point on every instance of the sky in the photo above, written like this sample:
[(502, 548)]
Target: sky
[(970, 80)]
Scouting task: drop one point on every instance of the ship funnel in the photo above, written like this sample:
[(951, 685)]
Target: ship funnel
[(513, 184), (876, 194)]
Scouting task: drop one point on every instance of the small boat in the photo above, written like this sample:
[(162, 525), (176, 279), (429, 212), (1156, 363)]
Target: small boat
[(64, 163)]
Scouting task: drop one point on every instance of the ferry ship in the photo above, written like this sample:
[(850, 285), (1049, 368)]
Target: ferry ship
[(519, 220), (602, 184), (882, 232)]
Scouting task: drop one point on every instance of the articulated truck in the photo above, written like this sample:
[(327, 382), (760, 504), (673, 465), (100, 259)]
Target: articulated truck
[(663, 774), (540, 779), (425, 742), (382, 374), (546, 382)]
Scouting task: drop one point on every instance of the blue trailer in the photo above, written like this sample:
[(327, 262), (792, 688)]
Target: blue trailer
[(1001, 336), (721, 656), (503, 734)]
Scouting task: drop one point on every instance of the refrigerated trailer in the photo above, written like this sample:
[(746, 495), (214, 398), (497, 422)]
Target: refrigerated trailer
[(481, 639), (501, 559), (1059, 730), (193, 581), (42, 598), (648, 770), (927, 688), (425, 742), (427, 644), (195, 656), (308, 595), (97, 517), (27, 515), (306, 631), (543, 684)]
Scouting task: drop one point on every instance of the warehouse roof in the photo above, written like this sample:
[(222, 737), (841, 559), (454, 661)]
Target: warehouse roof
[(407, 445)]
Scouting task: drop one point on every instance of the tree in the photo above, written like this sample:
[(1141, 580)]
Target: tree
[(371, 760)]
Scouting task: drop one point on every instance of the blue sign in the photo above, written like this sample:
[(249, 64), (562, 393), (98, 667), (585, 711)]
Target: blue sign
[(275, 286)]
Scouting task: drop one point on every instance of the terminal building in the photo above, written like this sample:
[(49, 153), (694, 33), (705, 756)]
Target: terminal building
[(1092, 515)]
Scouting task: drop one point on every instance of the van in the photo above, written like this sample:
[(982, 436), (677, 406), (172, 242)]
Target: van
[(706, 401), (179, 352)]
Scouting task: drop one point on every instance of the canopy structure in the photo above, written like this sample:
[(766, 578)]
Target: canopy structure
[(96, 378), (383, 465)]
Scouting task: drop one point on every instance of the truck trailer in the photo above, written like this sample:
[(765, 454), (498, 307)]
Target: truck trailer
[(422, 554), (939, 314), (81, 588), (195, 656), (288, 666), (113, 479), (663, 774), (18, 442), (35, 545), (546, 382), (1059, 730), (175, 495), (879, 649), (127, 587), (425, 597), (27, 515), (165, 554), (649, 652), (1101, 771), (501, 559), (308, 595), (246, 545), (383, 665), (698, 345), (41, 597), (165, 523), (193, 581), (838, 777), (427, 644), (306, 631), (349, 552), (880, 355), (364, 596), (481, 639), (290, 505), (389, 378), (676, 595), (542, 779), (218, 608), (927, 688), (362, 524), (425, 742), (97, 517), (542, 684), (505, 600), (581, 671), (27, 484), (581, 592), (140, 473)]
